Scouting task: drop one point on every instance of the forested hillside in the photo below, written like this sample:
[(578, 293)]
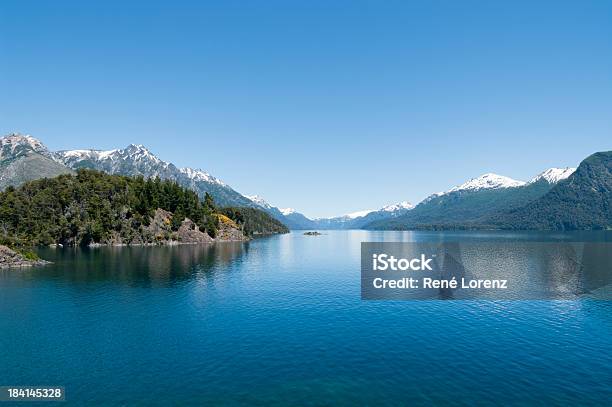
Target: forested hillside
[(254, 221), (463, 209), (581, 202), (94, 207)]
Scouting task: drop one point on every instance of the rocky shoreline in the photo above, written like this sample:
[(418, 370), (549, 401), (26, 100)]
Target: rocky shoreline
[(158, 233), (10, 258)]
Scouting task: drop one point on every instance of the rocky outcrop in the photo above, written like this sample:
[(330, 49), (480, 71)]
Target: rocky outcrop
[(159, 232), (229, 231), (160, 226), (10, 258), (189, 232)]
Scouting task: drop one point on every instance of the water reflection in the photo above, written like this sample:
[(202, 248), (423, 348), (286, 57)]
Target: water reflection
[(139, 265)]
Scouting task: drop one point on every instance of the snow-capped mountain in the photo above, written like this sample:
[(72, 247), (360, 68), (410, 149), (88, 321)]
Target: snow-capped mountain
[(484, 182), (24, 158), (354, 220), (15, 145), (488, 181), (136, 159), (398, 207), (357, 220), (354, 215), (259, 201), (473, 200), (553, 175), (288, 216)]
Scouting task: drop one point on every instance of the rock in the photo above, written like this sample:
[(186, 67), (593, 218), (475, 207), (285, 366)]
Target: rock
[(229, 231), (10, 258), (189, 232), (160, 224)]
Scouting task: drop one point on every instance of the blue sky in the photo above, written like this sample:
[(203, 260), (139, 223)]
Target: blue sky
[(328, 107)]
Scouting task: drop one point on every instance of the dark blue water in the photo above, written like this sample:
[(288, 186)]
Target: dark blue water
[(279, 321)]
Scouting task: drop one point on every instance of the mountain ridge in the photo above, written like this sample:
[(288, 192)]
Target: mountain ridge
[(582, 201), (473, 201), (24, 158)]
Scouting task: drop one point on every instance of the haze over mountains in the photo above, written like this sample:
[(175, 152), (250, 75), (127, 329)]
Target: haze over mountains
[(355, 220), (489, 201)]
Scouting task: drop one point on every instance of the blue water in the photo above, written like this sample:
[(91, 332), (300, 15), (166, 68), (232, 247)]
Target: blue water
[(279, 321)]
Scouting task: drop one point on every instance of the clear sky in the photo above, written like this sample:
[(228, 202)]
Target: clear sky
[(325, 106)]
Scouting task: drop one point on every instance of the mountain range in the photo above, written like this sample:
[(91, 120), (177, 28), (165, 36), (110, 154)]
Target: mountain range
[(136, 160), (583, 201), (355, 220), (26, 158), (489, 201), (472, 203)]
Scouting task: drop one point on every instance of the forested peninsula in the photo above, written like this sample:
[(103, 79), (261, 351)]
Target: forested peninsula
[(94, 208)]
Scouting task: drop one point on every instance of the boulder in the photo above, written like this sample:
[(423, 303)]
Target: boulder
[(189, 232)]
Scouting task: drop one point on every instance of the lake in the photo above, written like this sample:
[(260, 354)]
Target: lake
[(280, 321)]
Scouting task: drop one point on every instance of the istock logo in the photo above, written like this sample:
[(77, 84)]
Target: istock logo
[(382, 262)]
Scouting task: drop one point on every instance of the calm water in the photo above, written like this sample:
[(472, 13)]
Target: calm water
[(279, 321)]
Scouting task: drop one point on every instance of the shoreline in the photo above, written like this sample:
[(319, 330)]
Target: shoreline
[(168, 243), (10, 258)]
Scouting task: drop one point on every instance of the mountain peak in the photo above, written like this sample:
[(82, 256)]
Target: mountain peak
[(553, 175), (138, 150), (16, 144), (398, 206), (198, 175), (488, 181), (358, 214), (137, 147), (259, 201), (287, 211)]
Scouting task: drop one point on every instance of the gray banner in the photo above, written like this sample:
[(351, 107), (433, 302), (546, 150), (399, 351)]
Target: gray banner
[(495, 270)]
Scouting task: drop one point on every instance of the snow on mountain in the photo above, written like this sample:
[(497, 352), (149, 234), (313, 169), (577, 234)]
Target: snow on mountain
[(259, 201), (136, 159), (16, 144), (488, 181), (358, 214), (136, 155), (287, 211), (80, 155), (433, 196), (397, 207), (199, 175), (24, 158), (554, 175)]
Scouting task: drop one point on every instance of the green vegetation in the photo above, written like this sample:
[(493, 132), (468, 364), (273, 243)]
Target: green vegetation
[(94, 207), (582, 202), (463, 209), (254, 221)]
